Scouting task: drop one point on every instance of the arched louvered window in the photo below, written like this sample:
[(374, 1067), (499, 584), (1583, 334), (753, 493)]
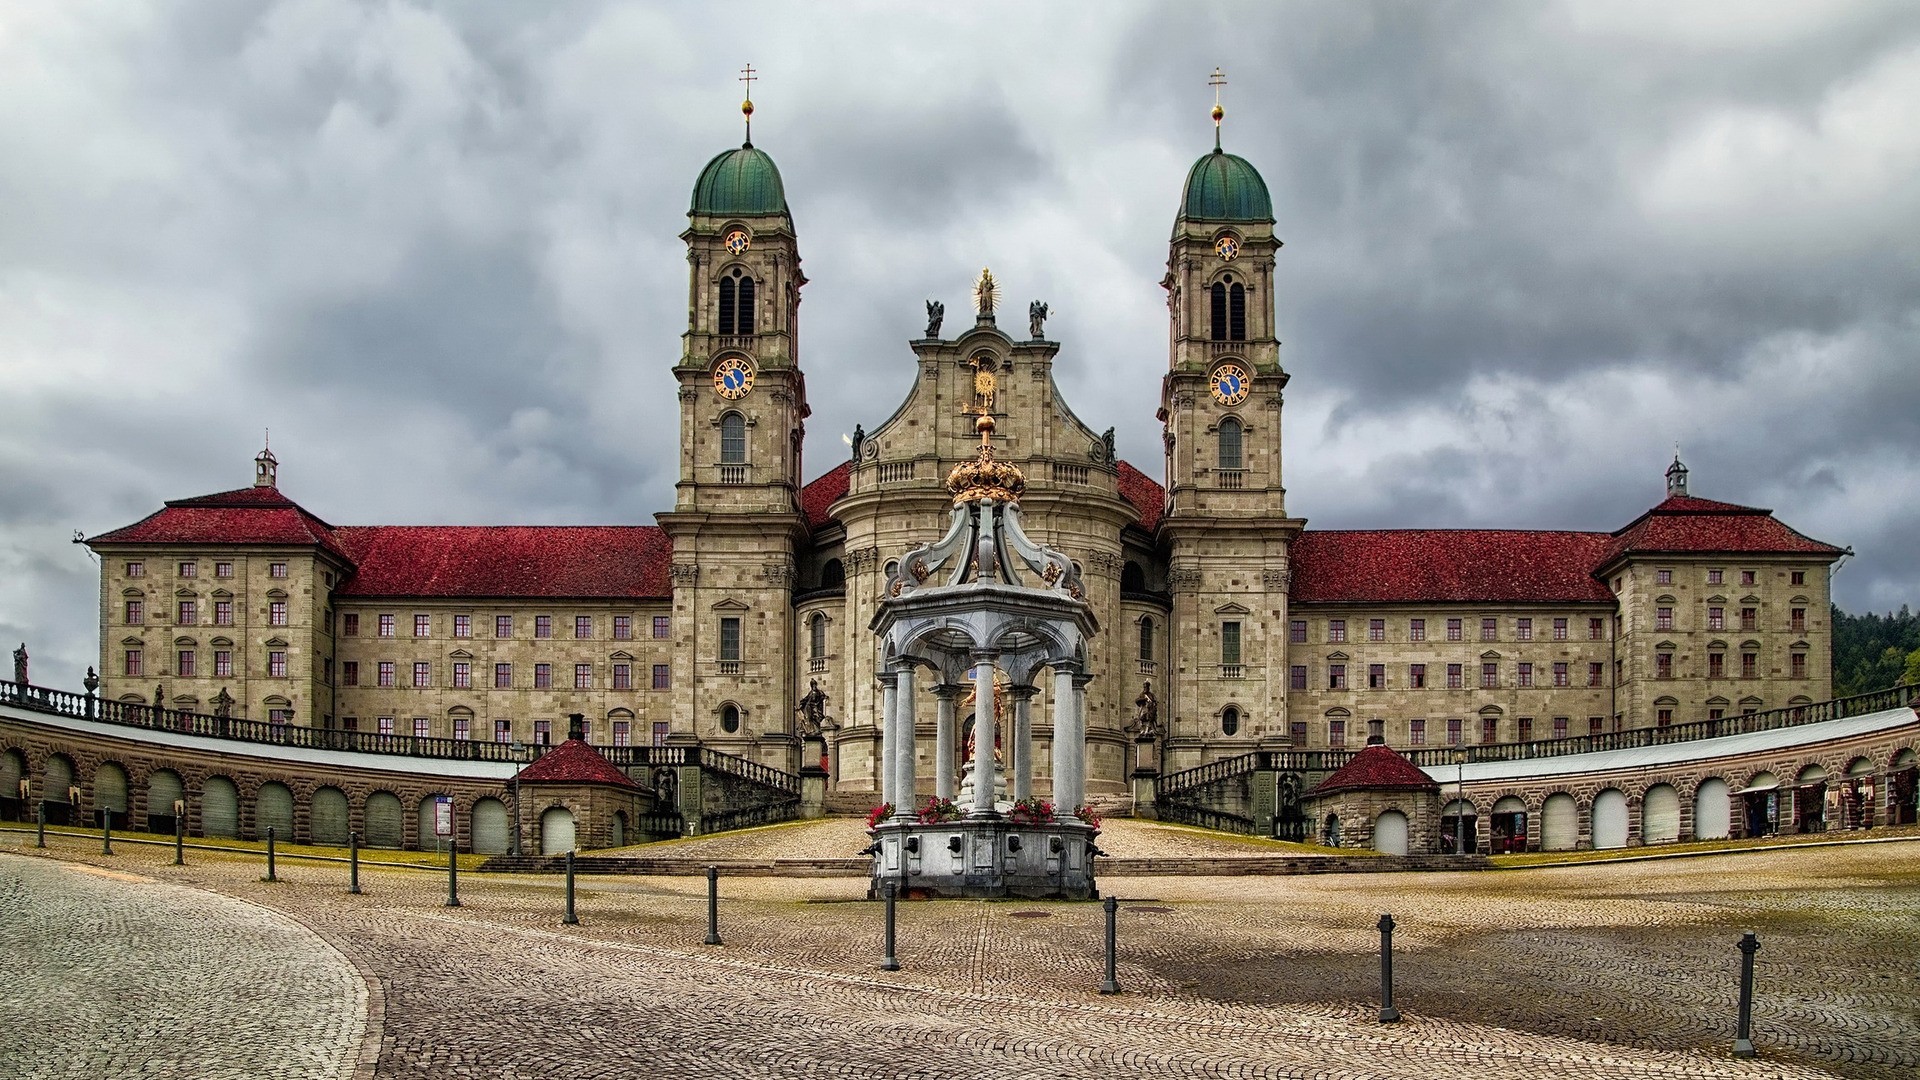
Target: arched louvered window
[(1219, 311), (736, 302), (1230, 440), (1237, 312), (743, 313), (729, 288), (733, 439)]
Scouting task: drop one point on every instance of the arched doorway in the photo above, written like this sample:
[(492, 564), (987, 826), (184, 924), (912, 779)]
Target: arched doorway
[(330, 817), (13, 769), (1760, 805), (56, 791), (1610, 819), (489, 829), (1459, 828), (273, 809), (1810, 800), (386, 820), (1507, 828), (556, 831), (1903, 789), (1559, 823), (220, 808), (110, 792), (1712, 810), (1390, 833), (164, 791), (1660, 815)]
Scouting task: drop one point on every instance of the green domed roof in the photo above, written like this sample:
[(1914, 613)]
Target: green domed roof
[(742, 181), (1223, 187)]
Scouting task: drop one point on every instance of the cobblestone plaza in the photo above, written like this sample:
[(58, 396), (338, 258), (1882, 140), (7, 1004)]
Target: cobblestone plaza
[(123, 965)]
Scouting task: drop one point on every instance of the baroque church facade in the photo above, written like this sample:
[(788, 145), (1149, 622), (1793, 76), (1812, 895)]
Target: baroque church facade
[(1225, 624)]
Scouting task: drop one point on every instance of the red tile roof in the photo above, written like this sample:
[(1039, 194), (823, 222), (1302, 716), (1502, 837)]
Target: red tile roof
[(559, 561), (1376, 767), (1447, 565), (1146, 495), (574, 762), (823, 492), (1685, 524), (250, 515)]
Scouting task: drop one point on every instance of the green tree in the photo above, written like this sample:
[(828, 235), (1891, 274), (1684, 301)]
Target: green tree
[(1873, 652)]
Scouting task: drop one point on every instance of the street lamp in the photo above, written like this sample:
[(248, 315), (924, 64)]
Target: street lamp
[(517, 749), (1460, 801)]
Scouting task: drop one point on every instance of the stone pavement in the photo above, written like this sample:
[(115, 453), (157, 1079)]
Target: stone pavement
[(1582, 971)]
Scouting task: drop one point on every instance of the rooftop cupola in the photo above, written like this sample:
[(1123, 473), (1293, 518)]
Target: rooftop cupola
[(743, 181), (266, 469), (1676, 478), (1223, 186)]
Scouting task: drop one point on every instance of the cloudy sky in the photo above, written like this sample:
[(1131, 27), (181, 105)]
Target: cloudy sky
[(1529, 247)]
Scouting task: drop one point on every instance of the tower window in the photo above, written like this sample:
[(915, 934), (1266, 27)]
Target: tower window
[(729, 639), (1237, 312), (1218, 310), (1146, 639), (1230, 432), (736, 303), (817, 637), (733, 439)]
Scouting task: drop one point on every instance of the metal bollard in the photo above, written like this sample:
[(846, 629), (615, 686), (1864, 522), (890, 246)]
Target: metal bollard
[(40, 824), (179, 840), (353, 863), (1743, 1037), (453, 874), (571, 919), (1111, 985), (891, 962), (106, 831), (270, 874), (1388, 1014), (713, 906)]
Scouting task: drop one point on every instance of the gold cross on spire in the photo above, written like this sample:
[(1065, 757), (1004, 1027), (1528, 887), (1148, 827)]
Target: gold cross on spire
[(746, 107), (1217, 80)]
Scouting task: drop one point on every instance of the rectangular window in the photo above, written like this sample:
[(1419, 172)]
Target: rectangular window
[(623, 628), (1298, 677), (503, 626), (136, 569), (1417, 676), (349, 625), (1663, 577), (1561, 674), (730, 638), (623, 676), (136, 612), (1297, 631), (423, 626), (277, 664), (223, 613), (463, 675), (1716, 714), (277, 613), (1456, 680), (385, 673), (1416, 629), (1749, 618), (419, 727), (662, 626), (463, 626), (583, 676), (349, 723), (1596, 629), (543, 676), (1376, 629), (1797, 620), (502, 731), (1336, 676), (462, 728), (1489, 629), (1523, 629), (1596, 673), (503, 676), (1453, 629), (1618, 667), (188, 569), (1525, 734), (1489, 729), (1663, 718), (662, 676), (1749, 577), (349, 671), (1560, 724), (1798, 577), (1749, 665), (386, 626), (1297, 733), (385, 725), (543, 732), (183, 664), (1376, 676), (1336, 630), (622, 733), (1489, 676), (543, 626), (1663, 618), (223, 664), (222, 569), (1230, 644), (279, 717), (1596, 725), (659, 733), (1524, 677), (1716, 577), (1455, 731), (278, 569), (1559, 629), (1716, 618), (1336, 733), (1663, 665), (1416, 732), (422, 673), (1716, 665), (1796, 665), (189, 614), (582, 627)]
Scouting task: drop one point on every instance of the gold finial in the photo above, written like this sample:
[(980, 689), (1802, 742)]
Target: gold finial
[(1218, 80), (746, 107), (983, 477)]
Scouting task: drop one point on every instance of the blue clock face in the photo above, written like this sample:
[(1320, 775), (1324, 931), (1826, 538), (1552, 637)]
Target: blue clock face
[(1230, 384), (733, 378)]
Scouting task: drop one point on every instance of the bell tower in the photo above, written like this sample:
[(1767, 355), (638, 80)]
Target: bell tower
[(1227, 532), (736, 523)]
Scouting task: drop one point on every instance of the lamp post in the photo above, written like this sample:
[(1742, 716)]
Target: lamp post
[(518, 749), (1460, 801)]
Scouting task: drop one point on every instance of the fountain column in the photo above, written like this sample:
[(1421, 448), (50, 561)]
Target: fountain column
[(889, 738), (943, 782), (1023, 742), (983, 734), (904, 757)]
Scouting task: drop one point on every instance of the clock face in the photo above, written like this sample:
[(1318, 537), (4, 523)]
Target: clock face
[(733, 378), (1231, 384), (737, 242), (1226, 247)]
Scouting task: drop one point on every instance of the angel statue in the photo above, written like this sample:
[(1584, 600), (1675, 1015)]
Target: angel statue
[(1036, 319), (936, 311)]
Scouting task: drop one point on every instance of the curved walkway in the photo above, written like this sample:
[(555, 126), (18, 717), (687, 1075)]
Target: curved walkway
[(105, 973)]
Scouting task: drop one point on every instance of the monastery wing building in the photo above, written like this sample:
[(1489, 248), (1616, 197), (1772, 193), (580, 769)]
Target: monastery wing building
[(1252, 630)]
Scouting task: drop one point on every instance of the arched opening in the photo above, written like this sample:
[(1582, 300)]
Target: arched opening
[(1390, 833), (273, 809), (1810, 800), (13, 769), (165, 793), (1330, 831), (733, 439), (331, 817), (1230, 443), (1237, 312), (736, 302), (219, 808), (1712, 810), (1230, 720), (1507, 827), (1610, 819), (1133, 579), (729, 718), (1217, 310), (1660, 815), (110, 792), (385, 820), (56, 792), (488, 827), (619, 828), (1903, 788), (817, 636), (1146, 644), (1559, 823), (556, 831), (1459, 828), (428, 824), (833, 575), (1760, 805)]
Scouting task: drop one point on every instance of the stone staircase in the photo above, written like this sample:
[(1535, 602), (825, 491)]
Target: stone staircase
[(850, 803)]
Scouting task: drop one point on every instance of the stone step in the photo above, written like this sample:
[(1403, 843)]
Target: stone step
[(1169, 866)]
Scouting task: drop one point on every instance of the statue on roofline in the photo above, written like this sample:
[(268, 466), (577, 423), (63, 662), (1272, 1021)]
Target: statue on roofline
[(936, 311), (20, 664), (1036, 319)]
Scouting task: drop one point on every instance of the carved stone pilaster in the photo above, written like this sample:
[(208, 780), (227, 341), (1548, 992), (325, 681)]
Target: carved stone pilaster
[(1277, 580), (1104, 561), (777, 574), (1183, 580), (684, 573), (688, 393), (863, 558)]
